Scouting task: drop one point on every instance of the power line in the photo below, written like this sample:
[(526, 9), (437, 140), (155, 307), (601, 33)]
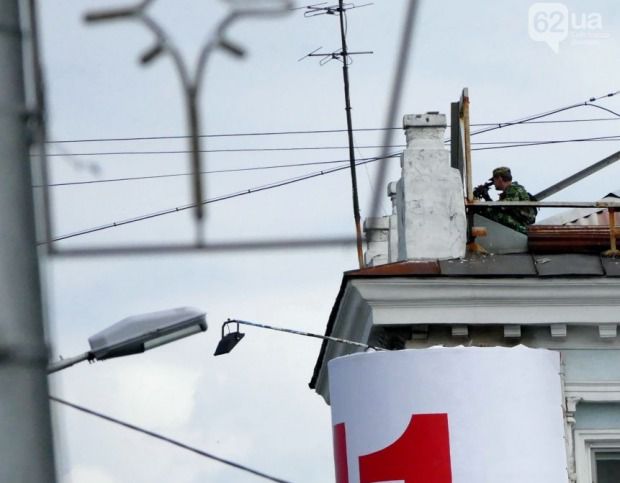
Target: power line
[(217, 171), (166, 439), (246, 150), (313, 131), (553, 111), (232, 150), (222, 135), (545, 141), (492, 144), (304, 177), (557, 141), (237, 194)]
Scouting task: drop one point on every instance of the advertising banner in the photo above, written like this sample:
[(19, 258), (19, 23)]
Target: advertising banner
[(448, 415)]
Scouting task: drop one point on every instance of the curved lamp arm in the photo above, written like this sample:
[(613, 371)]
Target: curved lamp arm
[(231, 339)]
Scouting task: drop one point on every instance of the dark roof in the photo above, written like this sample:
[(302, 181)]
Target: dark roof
[(512, 265), (481, 266)]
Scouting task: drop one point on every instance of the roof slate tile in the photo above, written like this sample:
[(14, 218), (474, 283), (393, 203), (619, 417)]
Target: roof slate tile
[(517, 265), (569, 265)]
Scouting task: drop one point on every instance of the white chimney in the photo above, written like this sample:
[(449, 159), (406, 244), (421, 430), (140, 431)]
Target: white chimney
[(430, 199)]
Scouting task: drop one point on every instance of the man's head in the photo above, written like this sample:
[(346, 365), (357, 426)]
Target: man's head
[(502, 178)]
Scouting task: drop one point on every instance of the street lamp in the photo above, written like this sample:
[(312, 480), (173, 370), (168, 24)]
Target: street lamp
[(137, 334), (232, 338)]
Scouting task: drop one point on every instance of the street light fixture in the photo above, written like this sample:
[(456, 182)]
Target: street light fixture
[(232, 338), (137, 334)]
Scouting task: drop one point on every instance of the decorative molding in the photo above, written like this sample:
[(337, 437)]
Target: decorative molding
[(468, 301), (608, 331), (558, 330), (587, 391)]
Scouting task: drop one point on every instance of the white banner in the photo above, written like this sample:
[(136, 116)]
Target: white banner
[(448, 415)]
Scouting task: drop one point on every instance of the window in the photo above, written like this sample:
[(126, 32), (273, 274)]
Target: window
[(606, 467), (597, 455)]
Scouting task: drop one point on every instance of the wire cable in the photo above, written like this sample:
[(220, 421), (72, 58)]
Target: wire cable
[(493, 144), (312, 175), (244, 150), (237, 194), (540, 143), (166, 439), (232, 150), (551, 112), (216, 171), (303, 132)]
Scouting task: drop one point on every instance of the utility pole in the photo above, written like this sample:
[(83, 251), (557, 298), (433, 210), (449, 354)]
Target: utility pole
[(26, 452), (343, 55), (347, 100)]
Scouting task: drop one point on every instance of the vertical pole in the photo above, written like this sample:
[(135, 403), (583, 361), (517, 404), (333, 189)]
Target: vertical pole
[(194, 146), (345, 75), (40, 124), (456, 144), (466, 135), (612, 230), (26, 452)]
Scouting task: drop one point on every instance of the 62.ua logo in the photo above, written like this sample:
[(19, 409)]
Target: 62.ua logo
[(420, 455), (550, 22)]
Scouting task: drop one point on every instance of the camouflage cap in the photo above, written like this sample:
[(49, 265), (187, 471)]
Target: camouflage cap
[(501, 171)]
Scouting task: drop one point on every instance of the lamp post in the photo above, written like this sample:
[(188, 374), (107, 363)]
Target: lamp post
[(137, 334), (232, 338)]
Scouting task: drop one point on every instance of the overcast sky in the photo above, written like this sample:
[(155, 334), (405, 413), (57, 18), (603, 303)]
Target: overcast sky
[(254, 406)]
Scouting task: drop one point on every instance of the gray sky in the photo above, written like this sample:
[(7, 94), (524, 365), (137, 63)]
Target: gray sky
[(253, 406)]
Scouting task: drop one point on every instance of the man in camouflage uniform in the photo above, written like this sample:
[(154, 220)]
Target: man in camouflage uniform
[(517, 217)]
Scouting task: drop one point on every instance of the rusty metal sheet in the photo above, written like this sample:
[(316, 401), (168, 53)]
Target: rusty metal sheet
[(398, 269), (567, 239)]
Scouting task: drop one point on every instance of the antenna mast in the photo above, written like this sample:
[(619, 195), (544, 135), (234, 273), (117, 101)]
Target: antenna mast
[(343, 55)]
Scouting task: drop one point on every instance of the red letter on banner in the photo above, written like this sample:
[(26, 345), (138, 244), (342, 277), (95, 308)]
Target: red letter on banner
[(340, 454), (420, 455)]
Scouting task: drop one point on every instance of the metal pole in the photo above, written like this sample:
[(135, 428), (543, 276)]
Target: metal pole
[(467, 140), (26, 452), (68, 362), (347, 98), (565, 183), (612, 230)]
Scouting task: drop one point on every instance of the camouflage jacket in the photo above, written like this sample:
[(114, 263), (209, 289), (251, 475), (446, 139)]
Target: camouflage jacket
[(516, 217)]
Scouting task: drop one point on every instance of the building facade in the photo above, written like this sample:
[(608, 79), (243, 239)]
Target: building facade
[(422, 289)]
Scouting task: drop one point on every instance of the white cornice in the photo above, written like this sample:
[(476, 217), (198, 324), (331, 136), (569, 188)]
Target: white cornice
[(460, 301), (592, 391), (523, 301)]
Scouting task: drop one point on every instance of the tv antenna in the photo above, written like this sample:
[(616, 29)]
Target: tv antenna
[(344, 56)]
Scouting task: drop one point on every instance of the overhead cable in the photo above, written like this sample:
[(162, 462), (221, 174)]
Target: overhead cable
[(310, 131), (166, 439), (215, 171), (231, 150), (588, 103), (303, 148), (541, 143), (490, 144), (216, 199)]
